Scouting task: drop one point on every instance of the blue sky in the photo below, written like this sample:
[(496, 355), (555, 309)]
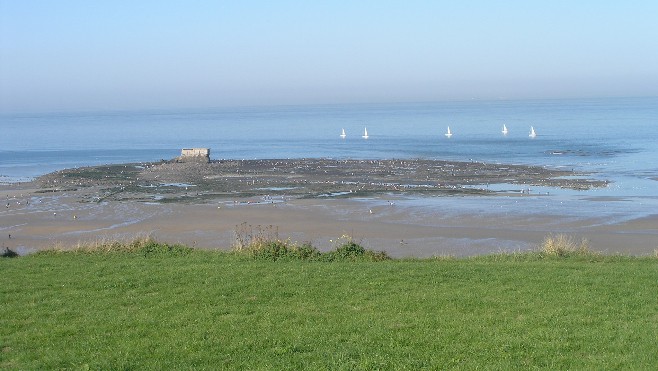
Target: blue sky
[(99, 55)]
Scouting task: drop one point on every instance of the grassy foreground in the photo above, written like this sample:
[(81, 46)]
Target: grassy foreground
[(175, 307)]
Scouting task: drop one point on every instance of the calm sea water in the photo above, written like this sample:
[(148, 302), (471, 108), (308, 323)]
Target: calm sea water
[(616, 139)]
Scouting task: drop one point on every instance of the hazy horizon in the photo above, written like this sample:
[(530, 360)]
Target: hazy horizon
[(82, 56)]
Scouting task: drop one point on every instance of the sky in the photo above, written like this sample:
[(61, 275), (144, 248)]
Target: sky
[(71, 55)]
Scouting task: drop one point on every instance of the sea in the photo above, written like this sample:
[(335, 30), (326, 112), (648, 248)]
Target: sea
[(614, 139)]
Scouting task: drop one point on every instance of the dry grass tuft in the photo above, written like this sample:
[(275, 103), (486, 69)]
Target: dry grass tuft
[(143, 245), (106, 245), (254, 237), (563, 245)]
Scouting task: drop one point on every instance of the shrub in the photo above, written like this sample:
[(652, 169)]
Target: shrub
[(264, 243), (564, 245), (376, 256), (304, 252), (248, 236), (350, 250), (145, 246), (154, 248), (8, 253), (269, 250), (276, 250)]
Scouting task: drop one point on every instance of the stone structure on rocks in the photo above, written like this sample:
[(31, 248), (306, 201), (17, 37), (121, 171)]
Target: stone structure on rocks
[(194, 155)]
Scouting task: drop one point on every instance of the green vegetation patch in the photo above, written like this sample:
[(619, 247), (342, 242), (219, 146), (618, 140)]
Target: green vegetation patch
[(157, 306)]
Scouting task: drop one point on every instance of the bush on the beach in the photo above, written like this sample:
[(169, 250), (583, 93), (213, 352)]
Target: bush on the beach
[(8, 253), (156, 248), (271, 250), (305, 252), (276, 250), (248, 237), (263, 243), (285, 250), (352, 251)]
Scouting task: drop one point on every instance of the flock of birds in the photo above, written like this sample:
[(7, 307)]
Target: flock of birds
[(448, 134)]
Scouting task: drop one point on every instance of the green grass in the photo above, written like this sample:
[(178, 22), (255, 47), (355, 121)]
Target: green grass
[(164, 307)]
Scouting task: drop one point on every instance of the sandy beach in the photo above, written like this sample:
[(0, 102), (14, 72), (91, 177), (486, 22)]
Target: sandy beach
[(35, 217)]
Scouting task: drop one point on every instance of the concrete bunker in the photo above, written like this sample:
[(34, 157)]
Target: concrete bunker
[(194, 155)]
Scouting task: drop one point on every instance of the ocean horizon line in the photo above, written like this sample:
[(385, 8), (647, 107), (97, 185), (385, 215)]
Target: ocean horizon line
[(228, 108)]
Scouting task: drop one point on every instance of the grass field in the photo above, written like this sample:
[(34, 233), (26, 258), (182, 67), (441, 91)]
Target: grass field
[(202, 309)]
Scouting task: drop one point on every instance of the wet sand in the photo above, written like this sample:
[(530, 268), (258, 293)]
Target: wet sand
[(65, 218), (173, 204)]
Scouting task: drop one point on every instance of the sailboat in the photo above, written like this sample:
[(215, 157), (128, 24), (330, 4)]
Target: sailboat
[(365, 133), (504, 131), (449, 133), (532, 132), (342, 134)]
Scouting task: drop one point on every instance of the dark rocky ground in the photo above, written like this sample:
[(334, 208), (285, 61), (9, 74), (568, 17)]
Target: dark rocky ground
[(171, 181)]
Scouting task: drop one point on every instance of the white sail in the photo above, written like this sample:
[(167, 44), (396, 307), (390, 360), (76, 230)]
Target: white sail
[(365, 133), (449, 133), (342, 134), (505, 131), (532, 132)]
